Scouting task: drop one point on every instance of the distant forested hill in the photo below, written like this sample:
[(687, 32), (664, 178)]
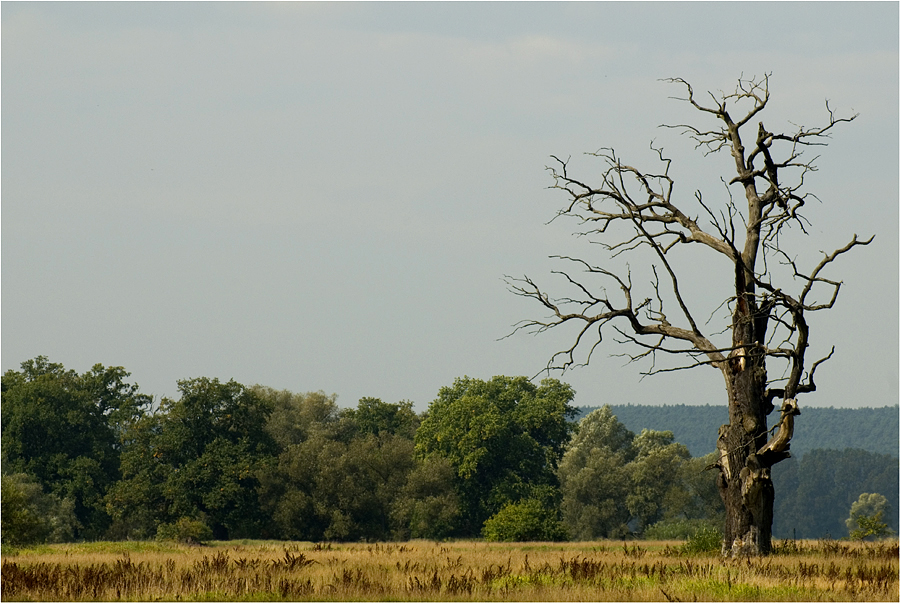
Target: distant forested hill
[(873, 429)]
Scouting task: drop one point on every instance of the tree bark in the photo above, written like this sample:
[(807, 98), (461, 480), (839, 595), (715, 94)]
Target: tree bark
[(745, 481)]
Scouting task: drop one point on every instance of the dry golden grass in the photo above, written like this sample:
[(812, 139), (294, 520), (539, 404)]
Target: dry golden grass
[(458, 571)]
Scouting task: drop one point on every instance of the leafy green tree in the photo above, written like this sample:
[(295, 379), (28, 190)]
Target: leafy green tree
[(307, 428), (362, 483), (372, 416), (614, 483), (137, 503), (22, 520), (865, 517), (295, 416), (197, 458), (427, 505), (341, 473), (653, 476), (120, 402), (214, 437), (594, 478), (335, 490), (503, 437), (66, 430), (288, 489), (31, 516)]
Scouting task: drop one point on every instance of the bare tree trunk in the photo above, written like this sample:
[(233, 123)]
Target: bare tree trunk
[(745, 455), (745, 480), (745, 486)]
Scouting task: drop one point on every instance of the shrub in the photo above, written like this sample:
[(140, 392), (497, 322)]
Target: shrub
[(526, 520), (870, 526), (678, 529), (186, 529), (705, 540), (866, 515)]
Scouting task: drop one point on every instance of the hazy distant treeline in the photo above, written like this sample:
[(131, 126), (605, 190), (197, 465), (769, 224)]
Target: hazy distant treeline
[(838, 453), (872, 429)]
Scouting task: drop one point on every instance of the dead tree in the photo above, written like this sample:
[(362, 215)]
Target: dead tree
[(631, 210)]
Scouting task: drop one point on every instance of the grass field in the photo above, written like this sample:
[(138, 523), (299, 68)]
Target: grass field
[(455, 571)]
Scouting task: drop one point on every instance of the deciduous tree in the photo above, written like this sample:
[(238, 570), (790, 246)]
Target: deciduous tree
[(615, 482), (66, 429), (197, 458), (340, 474), (30, 516), (427, 506), (866, 517), (503, 437), (594, 478), (375, 417), (768, 295)]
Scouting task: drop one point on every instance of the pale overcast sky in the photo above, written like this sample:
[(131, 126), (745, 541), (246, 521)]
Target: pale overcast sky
[(327, 196)]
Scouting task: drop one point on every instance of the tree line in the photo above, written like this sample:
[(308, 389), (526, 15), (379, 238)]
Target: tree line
[(816, 486), (872, 429), (88, 456)]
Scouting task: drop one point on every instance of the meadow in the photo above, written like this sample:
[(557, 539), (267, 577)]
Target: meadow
[(448, 571)]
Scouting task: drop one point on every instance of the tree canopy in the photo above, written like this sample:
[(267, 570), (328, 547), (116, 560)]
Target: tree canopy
[(197, 458), (615, 482), (503, 437), (498, 459), (67, 430)]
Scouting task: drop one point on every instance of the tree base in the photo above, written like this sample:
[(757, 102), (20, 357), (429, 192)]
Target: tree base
[(744, 546)]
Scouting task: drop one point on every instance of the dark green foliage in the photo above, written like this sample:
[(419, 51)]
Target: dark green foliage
[(526, 520), (357, 483), (372, 416), (594, 479), (705, 540), (816, 493), (22, 520), (294, 417), (615, 483), (503, 437), (655, 490), (31, 517), (136, 503), (66, 430), (198, 455), (427, 506), (873, 429), (680, 529), (191, 531), (342, 475), (255, 462), (83, 458)]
